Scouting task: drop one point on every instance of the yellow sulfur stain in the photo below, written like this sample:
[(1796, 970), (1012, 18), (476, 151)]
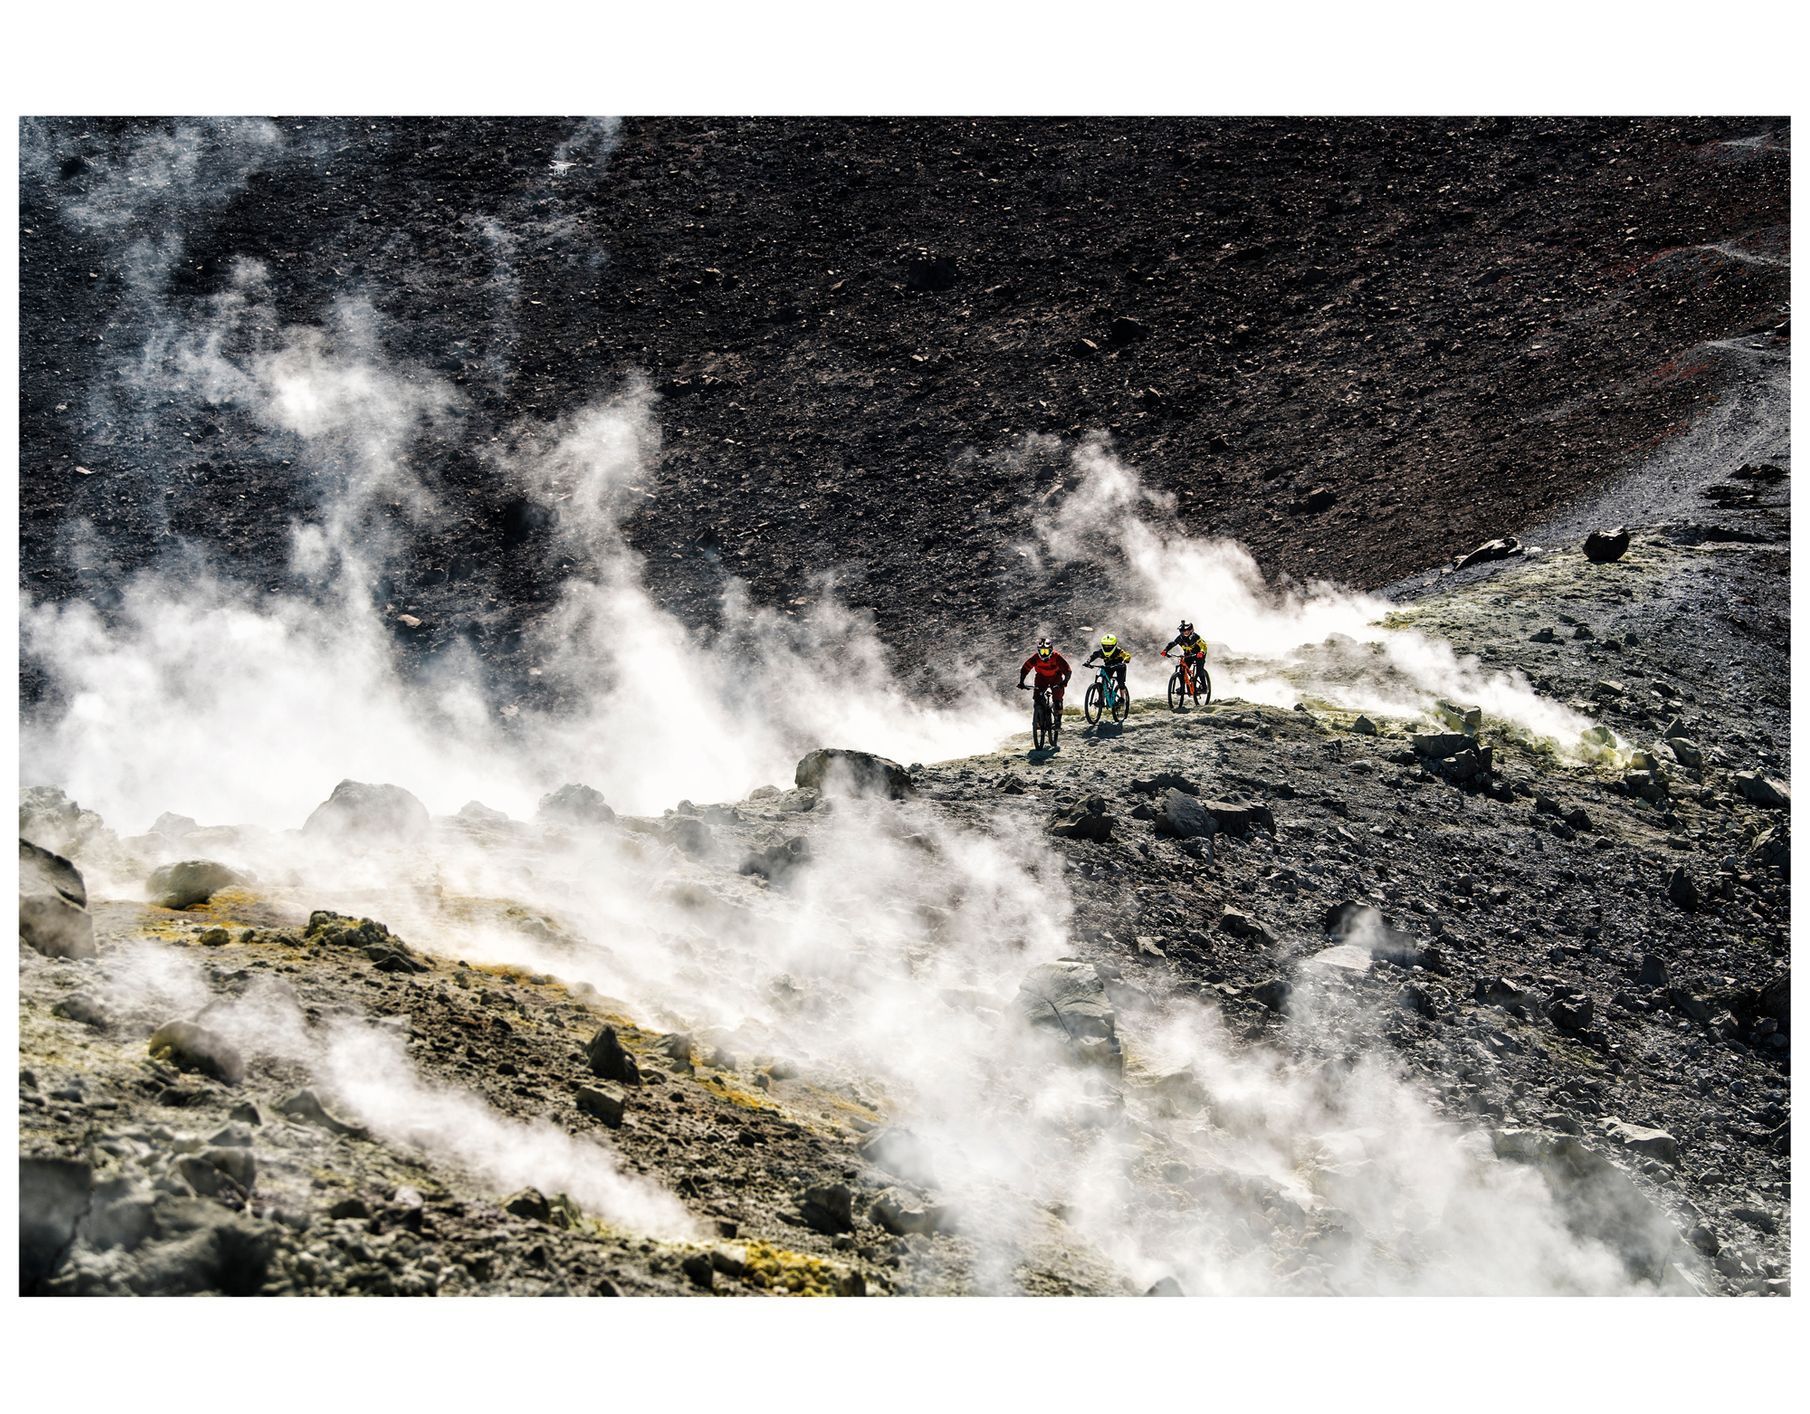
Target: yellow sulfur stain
[(747, 1099), (779, 1269)]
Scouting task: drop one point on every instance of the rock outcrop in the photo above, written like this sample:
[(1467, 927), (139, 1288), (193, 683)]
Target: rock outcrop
[(53, 905), (358, 812), (831, 770)]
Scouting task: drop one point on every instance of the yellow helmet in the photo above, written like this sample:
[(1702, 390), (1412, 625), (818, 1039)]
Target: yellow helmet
[(1109, 640)]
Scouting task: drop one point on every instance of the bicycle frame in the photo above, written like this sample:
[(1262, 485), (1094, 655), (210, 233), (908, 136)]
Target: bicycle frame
[(1043, 702), (1185, 671)]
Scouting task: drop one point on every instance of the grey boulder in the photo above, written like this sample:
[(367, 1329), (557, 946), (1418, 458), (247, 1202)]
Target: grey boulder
[(1182, 817), (834, 770), (53, 905), (1085, 821), (1603, 547), (191, 882), (194, 1048), (1070, 999), (357, 811), (574, 804)]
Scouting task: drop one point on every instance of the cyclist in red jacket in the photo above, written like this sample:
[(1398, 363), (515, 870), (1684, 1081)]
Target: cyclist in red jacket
[(1052, 671)]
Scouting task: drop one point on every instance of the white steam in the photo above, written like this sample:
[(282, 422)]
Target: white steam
[(367, 1075), (197, 699), (884, 965), (1271, 643)]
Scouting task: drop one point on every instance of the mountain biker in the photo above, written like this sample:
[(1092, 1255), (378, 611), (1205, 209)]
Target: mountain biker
[(1113, 656), (1193, 646), (1052, 671)]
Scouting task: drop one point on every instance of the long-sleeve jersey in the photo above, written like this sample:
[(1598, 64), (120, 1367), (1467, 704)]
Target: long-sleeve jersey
[(1115, 656), (1052, 669), (1193, 643)]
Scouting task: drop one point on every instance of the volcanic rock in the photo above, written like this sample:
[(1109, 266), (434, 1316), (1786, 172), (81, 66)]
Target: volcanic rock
[(1164, 781), (1242, 925), (779, 861), (1763, 790), (574, 804), (1491, 550), (194, 1048), (1183, 817), (380, 814), (1649, 1143), (1502, 992), (604, 1105), (1468, 720), (1085, 821), (1070, 998), (53, 913), (899, 1213), (1342, 957), (1238, 818), (609, 1060), (833, 769), (205, 1171), (83, 1009), (54, 1194), (56, 823), (1604, 547), (828, 1207), (1570, 1010), (190, 882), (306, 1106)]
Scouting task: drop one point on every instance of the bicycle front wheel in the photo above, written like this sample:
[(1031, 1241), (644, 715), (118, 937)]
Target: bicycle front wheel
[(1177, 691), (1094, 704)]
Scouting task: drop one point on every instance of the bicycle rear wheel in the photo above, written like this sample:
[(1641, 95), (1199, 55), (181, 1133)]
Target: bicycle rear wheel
[(1121, 705), (1205, 695), (1093, 705)]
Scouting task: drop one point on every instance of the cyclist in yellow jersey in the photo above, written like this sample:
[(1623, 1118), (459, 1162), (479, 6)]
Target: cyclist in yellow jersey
[(1113, 656)]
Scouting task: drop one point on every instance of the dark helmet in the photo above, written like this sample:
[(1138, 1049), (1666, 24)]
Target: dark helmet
[(1186, 627)]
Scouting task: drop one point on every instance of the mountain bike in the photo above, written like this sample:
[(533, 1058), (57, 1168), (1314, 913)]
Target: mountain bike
[(1188, 681), (1104, 696), (1046, 725)]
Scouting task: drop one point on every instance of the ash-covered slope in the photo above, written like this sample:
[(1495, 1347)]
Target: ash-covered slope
[(1354, 345), (1246, 999), (1241, 999)]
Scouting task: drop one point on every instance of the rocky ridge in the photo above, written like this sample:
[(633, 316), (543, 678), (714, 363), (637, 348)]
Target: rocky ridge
[(1581, 962)]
